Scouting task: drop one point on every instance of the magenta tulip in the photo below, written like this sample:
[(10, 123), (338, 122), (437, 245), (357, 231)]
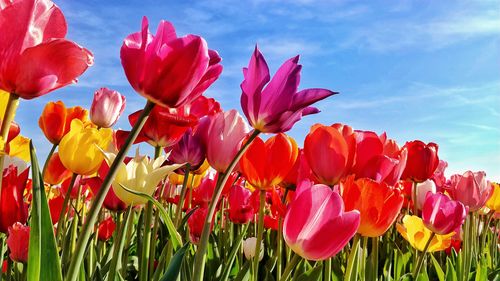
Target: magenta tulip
[(316, 226), (189, 149), (441, 214), (35, 57), (166, 69), (472, 189), (278, 106), (225, 134), (240, 208), (107, 107)]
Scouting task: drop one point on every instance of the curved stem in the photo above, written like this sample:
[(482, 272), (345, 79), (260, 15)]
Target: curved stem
[(260, 230), (62, 216), (289, 267), (101, 194), (199, 264), (421, 258)]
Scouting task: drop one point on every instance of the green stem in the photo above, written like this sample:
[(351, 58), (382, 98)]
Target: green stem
[(180, 204), (350, 273), (2, 249), (199, 264), (232, 255), (328, 269), (260, 231), (374, 258), (101, 194), (62, 216), (279, 247), (289, 267), (421, 258), (118, 244), (46, 164), (146, 242)]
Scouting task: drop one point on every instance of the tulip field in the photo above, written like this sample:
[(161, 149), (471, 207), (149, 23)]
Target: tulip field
[(227, 194)]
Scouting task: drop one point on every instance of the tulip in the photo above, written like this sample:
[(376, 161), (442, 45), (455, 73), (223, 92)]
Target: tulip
[(422, 161), (472, 189), (56, 173), (249, 248), (79, 149), (19, 147), (278, 106), (203, 193), (329, 153), (107, 106), (140, 174), (189, 150), (12, 206), (111, 201), (168, 70), (240, 208), (18, 242), (299, 172), (225, 135), (20, 164), (442, 215), (494, 202), (36, 58), (438, 177), (415, 232), (56, 118), (315, 214), (378, 203), (55, 207), (106, 229), (423, 189), (195, 223), (265, 164)]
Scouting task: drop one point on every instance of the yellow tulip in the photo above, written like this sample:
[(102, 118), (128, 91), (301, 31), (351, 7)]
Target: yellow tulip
[(414, 231), (494, 202), (4, 98), (79, 148), (140, 174), (20, 147), (177, 179)]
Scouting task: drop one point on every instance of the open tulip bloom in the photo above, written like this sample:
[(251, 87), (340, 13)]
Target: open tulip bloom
[(224, 196)]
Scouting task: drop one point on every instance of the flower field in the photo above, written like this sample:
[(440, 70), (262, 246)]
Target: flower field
[(226, 195)]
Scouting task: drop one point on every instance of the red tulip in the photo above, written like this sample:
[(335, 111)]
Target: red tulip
[(265, 164), (36, 58), (56, 173), (329, 153), (106, 229), (56, 119), (278, 106), (442, 215), (18, 242), (316, 226), (166, 69), (422, 161), (12, 206), (195, 223), (378, 203), (240, 208), (202, 195), (55, 207), (106, 108)]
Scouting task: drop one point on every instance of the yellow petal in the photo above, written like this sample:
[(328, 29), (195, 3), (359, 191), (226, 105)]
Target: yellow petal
[(20, 148)]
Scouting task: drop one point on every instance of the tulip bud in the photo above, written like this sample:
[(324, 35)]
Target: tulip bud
[(18, 242), (106, 229), (107, 107), (249, 248)]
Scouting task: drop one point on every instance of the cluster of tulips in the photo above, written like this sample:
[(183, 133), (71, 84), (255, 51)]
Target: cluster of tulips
[(216, 201)]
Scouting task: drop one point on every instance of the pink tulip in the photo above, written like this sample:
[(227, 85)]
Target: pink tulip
[(441, 214), (240, 208), (279, 106), (107, 107), (472, 189), (316, 226), (225, 134), (166, 69), (35, 57), (18, 242)]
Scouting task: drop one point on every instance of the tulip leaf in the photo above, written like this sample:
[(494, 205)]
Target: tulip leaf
[(174, 235), (42, 240), (312, 274), (437, 267), (451, 275), (174, 267)]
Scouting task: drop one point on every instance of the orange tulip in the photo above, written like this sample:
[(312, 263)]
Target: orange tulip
[(56, 173), (330, 151), (56, 119), (378, 203), (266, 164)]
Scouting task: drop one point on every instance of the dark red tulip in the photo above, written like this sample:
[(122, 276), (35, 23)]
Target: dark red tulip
[(12, 206), (422, 161)]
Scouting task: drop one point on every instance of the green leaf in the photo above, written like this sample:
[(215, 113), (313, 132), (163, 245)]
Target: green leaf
[(244, 272), (174, 235), (451, 275), (174, 266), (312, 274), (437, 267), (42, 240)]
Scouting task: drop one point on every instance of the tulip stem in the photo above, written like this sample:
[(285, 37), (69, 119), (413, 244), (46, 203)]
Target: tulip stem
[(62, 215), (328, 269), (46, 164), (290, 266), (182, 197), (146, 242), (232, 255), (2, 248), (199, 264), (101, 194), (421, 258), (374, 258), (118, 243), (10, 112), (350, 273), (279, 247), (260, 230)]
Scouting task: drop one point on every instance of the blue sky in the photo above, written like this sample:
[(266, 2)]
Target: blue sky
[(424, 70)]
